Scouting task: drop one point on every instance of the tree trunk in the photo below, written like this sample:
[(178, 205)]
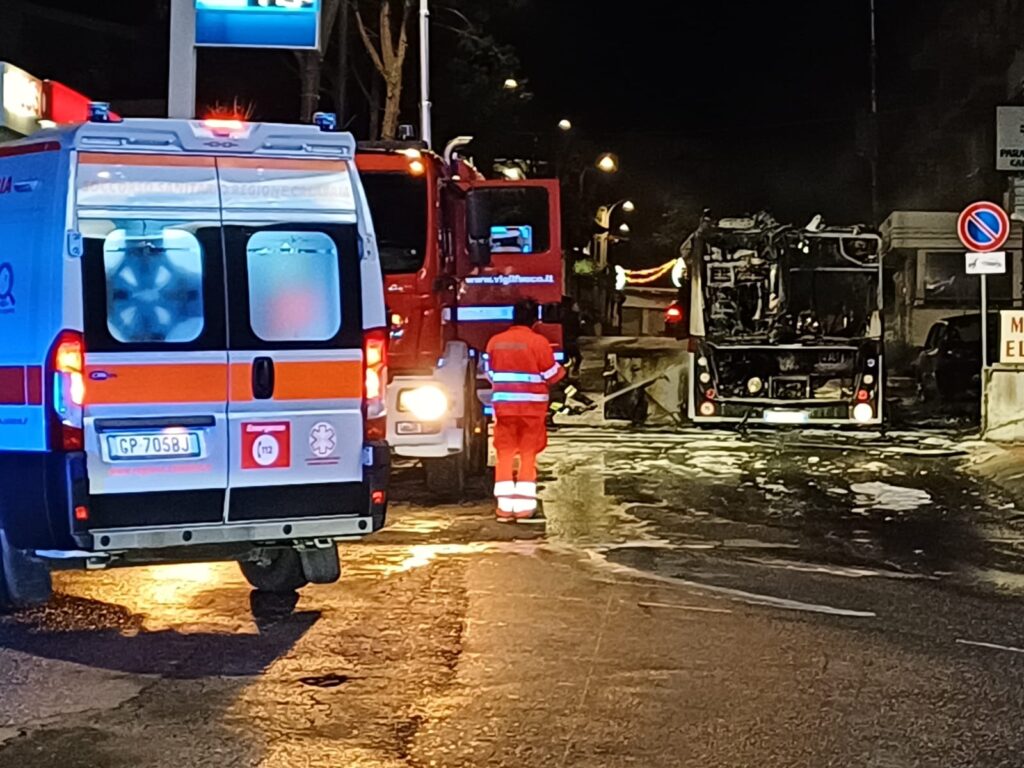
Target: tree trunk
[(388, 57), (311, 64), (375, 108), (392, 107)]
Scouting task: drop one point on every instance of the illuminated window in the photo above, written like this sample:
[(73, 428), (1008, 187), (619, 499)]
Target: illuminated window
[(294, 286), (154, 284), (520, 219)]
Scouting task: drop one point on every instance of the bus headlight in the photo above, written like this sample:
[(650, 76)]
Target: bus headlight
[(426, 403), (755, 385), (863, 413)]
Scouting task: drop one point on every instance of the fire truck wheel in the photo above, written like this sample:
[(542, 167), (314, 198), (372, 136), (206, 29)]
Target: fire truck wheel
[(476, 438), (278, 571), (321, 566), (24, 581), (446, 477)]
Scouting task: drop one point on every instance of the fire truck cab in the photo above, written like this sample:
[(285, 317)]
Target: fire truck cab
[(192, 351), (458, 251)]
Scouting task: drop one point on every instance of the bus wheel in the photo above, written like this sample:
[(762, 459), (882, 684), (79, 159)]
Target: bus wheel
[(24, 581), (278, 571), (321, 566)]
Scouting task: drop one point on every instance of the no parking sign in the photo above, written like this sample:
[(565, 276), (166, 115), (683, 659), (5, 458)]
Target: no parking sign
[(983, 227)]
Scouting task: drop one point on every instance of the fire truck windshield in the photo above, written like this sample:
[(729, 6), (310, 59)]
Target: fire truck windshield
[(398, 203)]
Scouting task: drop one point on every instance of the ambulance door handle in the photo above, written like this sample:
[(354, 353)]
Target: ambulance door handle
[(263, 378)]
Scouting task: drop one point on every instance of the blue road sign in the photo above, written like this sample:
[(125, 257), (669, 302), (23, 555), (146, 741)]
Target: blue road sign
[(258, 23)]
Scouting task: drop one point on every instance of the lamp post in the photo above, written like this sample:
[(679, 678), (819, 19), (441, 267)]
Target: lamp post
[(426, 129), (604, 220)]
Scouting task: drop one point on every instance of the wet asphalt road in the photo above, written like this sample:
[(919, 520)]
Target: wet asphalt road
[(689, 599)]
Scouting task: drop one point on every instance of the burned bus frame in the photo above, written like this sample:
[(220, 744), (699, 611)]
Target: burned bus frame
[(787, 370)]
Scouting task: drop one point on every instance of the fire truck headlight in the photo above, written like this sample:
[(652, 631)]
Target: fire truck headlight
[(426, 403), (863, 413), (754, 385)]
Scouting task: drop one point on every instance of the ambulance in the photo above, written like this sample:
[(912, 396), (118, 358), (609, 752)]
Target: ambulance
[(192, 351)]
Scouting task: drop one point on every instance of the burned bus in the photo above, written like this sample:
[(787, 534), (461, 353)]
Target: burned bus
[(785, 324)]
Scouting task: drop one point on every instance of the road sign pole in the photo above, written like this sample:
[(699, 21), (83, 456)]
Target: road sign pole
[(984, 350), (984, 327), (181, 83)]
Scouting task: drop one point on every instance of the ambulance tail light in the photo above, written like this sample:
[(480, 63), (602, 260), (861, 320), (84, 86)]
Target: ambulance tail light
[(375, 375), (66, 375)]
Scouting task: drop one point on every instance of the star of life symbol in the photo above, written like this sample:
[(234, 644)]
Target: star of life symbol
[(322, 440)]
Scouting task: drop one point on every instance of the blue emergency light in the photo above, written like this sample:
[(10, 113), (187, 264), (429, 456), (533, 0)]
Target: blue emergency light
[(99, 112), (326, 121)]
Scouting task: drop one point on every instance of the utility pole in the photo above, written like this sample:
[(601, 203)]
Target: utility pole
[(875, 213), (181, 87), (426, 130)]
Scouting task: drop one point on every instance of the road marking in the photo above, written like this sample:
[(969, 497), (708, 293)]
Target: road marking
[(751, 598), (677, 607), (991, 646)]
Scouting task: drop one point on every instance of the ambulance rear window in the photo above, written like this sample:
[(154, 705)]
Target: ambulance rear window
[(154, 283), (294, 286)]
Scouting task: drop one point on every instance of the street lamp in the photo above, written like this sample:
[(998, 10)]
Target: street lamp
[(608, 163), (624, 228), (565, 124), (511, 84), (604, 213), (605, 163)]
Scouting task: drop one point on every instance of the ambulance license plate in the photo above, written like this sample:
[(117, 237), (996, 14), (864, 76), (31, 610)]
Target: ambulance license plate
[(151, 446)]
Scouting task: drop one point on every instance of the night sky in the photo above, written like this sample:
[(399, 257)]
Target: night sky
[(742, 104), (736, 105)]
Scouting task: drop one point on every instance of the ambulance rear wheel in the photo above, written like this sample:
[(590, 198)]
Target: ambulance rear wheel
[(278, 571), (321, 566), (24, 581)]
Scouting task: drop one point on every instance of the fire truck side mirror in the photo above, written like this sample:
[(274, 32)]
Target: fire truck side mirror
[(478, 226)]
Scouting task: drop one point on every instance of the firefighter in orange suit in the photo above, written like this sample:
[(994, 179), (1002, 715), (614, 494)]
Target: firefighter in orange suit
[(522, 368)]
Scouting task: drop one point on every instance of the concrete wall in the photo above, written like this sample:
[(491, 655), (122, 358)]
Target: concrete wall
[(1003, 406)]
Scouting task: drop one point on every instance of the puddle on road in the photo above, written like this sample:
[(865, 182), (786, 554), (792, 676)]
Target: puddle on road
[(723, 505)]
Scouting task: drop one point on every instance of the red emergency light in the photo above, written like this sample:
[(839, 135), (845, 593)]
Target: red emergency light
[(63, 105)]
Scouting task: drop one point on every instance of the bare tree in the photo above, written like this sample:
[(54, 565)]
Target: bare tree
[(311, 63), (387, 48)]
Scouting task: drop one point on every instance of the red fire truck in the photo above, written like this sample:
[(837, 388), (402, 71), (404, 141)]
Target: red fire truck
[(458, 251)]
